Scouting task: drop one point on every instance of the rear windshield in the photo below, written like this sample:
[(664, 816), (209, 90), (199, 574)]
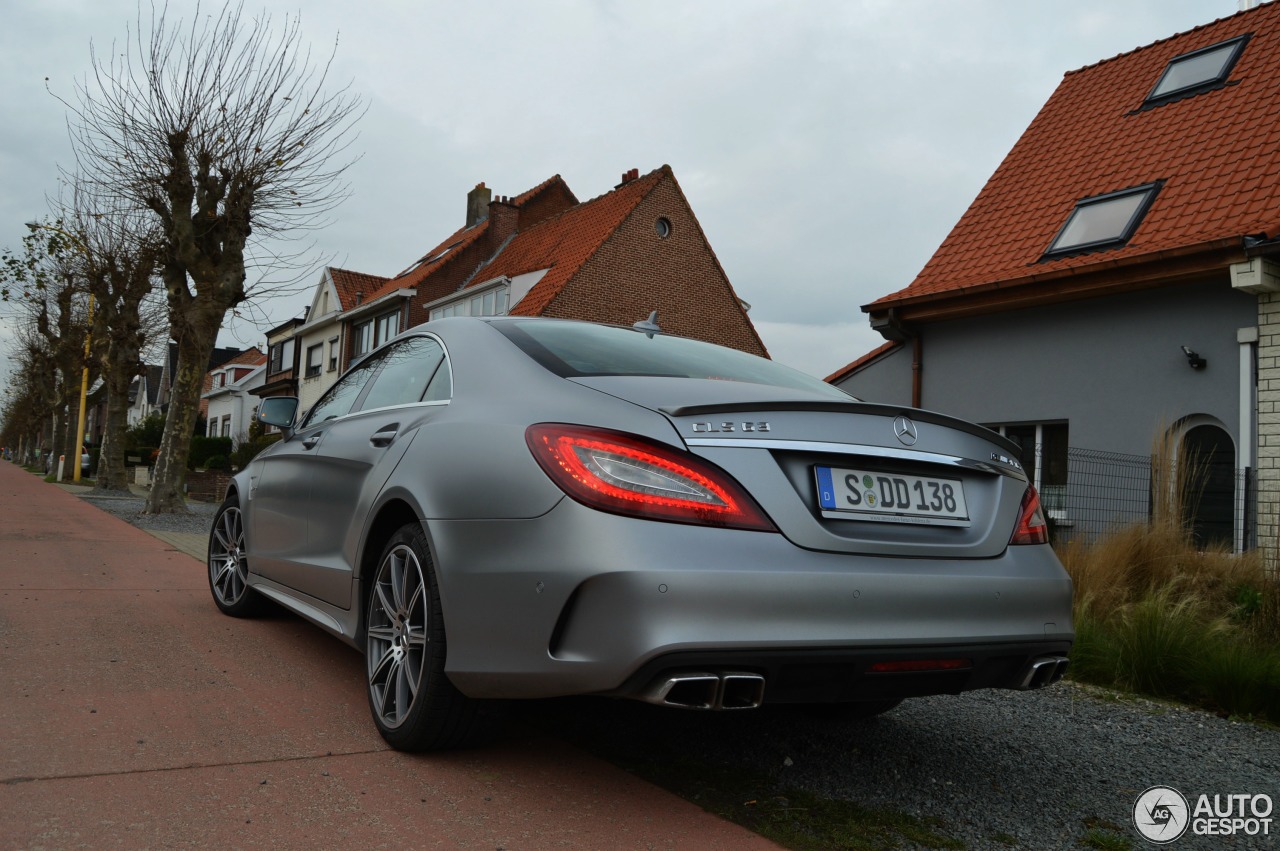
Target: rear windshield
[(582, 349)]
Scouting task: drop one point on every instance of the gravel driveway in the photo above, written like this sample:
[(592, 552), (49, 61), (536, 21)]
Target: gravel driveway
[(1036, 770), (1000, 769)]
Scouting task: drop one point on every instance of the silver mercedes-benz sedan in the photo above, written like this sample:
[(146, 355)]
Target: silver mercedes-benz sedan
[(527, 508)]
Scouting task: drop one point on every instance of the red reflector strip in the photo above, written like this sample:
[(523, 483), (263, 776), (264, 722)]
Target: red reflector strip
[(910, 665)]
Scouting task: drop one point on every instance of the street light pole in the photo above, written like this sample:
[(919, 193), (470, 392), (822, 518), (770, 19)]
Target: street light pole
[(84, 392)]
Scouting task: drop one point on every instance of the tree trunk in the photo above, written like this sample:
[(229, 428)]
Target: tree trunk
[(120, 365), (194, 349), (112, 475)]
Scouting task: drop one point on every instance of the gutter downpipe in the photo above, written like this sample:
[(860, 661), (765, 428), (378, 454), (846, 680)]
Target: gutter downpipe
[(917, 368), (893, 328)]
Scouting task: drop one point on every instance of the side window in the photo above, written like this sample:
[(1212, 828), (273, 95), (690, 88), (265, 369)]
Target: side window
[(441, 387), (341, 396), (407, 369)]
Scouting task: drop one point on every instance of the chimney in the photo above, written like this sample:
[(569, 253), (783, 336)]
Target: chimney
[(478, 204), (504, 220), (627, 177)]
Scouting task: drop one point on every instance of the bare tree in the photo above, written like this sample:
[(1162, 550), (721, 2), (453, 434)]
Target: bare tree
[(44, 288), (121, 248), (222, 128)]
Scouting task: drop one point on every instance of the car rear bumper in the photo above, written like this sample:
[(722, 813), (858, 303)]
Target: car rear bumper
[(580, 602)]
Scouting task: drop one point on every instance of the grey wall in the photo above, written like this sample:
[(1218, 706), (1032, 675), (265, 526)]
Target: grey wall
[(887, 380), (1111, 367)]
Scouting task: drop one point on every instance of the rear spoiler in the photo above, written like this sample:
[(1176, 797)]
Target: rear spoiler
[(836, 407)]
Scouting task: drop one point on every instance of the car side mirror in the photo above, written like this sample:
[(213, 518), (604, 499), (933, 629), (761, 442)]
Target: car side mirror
[(278, 411)]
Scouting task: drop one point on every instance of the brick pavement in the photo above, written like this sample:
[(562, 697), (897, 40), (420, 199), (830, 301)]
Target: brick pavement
[(137, 716)]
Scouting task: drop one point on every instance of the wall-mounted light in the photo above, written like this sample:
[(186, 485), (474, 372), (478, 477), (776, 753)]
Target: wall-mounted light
[(1194, 359)]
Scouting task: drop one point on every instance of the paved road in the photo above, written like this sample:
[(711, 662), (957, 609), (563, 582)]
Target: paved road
[(134, 715)]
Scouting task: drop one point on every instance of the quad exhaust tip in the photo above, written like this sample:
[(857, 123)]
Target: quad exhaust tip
[(728, 690), (1044, 671)]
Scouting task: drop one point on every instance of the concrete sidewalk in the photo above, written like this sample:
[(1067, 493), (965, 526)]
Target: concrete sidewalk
[(135, 715)]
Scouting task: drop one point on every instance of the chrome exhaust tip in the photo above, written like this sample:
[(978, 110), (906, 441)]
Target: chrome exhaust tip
[(698, 690), (686, 691), (740, 691), (1044, 671)]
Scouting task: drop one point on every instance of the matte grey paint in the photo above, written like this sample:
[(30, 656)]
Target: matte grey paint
[(543, 596)]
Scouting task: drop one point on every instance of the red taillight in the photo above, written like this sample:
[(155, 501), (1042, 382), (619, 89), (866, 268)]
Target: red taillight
[(626, 474), (1032, 528)]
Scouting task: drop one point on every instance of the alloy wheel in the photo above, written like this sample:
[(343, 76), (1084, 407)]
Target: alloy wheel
[(228, 567), (397, 636)]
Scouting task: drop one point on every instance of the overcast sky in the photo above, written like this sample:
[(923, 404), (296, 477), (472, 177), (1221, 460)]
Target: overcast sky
[(826, 147)]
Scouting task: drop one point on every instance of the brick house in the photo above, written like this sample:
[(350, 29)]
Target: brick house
[(614, 258), (1117, 280), (281, 375)]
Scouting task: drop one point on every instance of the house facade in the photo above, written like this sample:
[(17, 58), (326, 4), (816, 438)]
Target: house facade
[(615, 258), (229, 399), (144, 394), (1109, 293), (318, 341)]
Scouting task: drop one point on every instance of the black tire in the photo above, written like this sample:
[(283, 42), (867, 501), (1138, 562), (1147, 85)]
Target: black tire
[(413, 703), (229, 565)]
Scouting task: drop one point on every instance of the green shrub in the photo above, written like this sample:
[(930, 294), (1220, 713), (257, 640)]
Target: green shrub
[(145, 434), (218, 462), (203, 448), (1238, 677)]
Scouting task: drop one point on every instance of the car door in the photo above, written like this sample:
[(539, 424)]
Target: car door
[(280, 493), (357, 455)]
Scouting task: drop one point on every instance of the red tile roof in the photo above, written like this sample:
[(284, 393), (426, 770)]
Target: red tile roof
[(354, 288), (870, 356), (1218, 153), (564, 242), (453, 246)]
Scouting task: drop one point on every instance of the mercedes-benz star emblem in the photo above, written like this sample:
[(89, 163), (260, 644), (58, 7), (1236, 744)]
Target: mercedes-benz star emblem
[(905, 430)]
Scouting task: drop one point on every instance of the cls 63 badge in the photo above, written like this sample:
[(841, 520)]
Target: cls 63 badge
[(721, 428)]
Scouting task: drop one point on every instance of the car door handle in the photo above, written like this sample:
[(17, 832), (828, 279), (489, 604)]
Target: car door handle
[(384, 436), (311, 441)]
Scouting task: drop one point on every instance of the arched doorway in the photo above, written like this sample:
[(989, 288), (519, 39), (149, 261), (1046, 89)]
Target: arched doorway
[(1210, 455)]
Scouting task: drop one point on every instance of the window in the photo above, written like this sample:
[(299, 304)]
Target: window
[(333, 353), (663, 227), (580, 349), (341, 396), (407, 369), (1103, 221), (386, 327), (491, 302), (362, 339), (281, 357), (314, 355), (1044, 458), (1195, 72), (226, 425)]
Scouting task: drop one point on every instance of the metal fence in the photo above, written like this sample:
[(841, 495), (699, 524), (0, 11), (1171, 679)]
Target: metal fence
[(1106, 491)]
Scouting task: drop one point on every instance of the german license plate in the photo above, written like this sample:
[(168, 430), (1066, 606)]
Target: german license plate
[(849, 494)]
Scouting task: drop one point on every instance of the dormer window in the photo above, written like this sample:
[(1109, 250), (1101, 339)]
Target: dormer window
[(1197, 71), (1103, 221)]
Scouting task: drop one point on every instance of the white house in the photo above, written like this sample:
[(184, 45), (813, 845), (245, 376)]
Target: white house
[(231, 402)]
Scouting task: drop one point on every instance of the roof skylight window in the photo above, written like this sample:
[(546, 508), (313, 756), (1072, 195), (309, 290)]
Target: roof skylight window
[(1103, 221), (1198, 71)]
